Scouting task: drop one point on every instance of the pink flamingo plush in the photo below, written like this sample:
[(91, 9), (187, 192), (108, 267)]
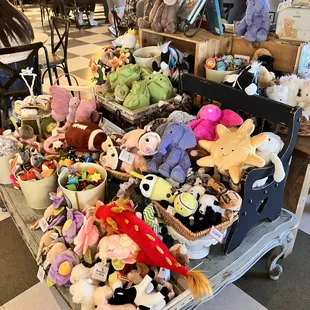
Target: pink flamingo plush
[(209, 117)]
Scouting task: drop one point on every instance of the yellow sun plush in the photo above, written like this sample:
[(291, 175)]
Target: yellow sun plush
[(233, 151)]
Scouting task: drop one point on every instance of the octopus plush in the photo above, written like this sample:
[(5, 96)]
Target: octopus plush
[(209, 117), (234, 151), (119, 218)]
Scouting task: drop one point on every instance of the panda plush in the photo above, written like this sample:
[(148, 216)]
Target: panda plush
[(208, 214), (197, 191)]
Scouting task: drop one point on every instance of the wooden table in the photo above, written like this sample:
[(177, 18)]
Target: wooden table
[(276, 237), (298, 180)]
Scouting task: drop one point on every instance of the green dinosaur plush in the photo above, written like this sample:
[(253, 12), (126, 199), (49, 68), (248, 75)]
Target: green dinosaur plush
[(160, 87), (139, 96), (121, 92), (126, 74)]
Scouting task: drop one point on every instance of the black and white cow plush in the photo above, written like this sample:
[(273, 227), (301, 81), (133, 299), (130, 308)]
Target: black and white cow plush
[(246, 79)]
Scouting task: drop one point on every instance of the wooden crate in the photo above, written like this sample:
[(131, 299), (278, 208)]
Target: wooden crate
[(202, 46), (286, 53), (205, 45)]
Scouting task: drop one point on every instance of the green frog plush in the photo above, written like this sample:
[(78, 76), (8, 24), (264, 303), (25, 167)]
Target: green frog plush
[(126, 74), (121, 92), (145, 72), (139, 96), (160, 87)]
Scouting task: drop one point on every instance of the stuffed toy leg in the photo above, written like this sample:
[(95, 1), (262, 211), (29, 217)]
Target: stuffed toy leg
[(279, 173), (170, 162)]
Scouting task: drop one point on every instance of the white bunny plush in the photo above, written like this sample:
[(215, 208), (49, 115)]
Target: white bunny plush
[(278, 93), (303, 98), (269, 151), (293, 83)]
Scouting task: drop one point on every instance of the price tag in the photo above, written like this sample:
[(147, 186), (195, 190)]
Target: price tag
[(171, 210), (100, 272), (127, 157), (43, 224), (41, 274), (164, 274), (46, 264), (156, 227), (216, 234)]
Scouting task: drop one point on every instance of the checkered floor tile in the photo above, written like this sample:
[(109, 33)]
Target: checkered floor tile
[(82, 45)]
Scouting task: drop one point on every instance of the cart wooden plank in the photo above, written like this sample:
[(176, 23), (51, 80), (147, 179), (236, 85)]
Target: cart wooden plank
[(221, 269)]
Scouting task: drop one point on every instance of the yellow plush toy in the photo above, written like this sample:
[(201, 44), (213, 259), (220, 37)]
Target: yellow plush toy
[(233, 151)]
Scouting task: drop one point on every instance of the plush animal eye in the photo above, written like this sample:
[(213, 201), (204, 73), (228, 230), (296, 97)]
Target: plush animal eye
[(307, 95), (171, 131), (168, 195), (113, 155), (216, 203), (109, 145), (269, 139), (232, 150), (222, 148), (147, 140), (150, 178), (146, 187)]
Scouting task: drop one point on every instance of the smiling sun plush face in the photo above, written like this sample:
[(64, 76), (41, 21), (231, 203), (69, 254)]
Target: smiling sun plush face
[(233, 151)]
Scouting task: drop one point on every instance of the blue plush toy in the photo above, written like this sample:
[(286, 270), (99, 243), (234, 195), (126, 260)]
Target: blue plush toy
[(256, 23), (172, 160)]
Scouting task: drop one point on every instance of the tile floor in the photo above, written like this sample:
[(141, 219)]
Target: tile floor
[(82, 44)]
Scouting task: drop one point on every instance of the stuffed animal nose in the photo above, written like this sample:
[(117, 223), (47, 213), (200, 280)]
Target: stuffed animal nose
[(149, 150)]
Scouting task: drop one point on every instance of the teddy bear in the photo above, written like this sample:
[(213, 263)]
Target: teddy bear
[(162, 18), (269, 151), (256, 23), (293, 83), (278, 93), (288, 30)]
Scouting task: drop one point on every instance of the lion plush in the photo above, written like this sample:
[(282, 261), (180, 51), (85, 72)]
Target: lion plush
[(233, 151)]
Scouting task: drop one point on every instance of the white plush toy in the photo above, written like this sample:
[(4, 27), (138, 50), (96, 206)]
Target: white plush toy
[(278, 93), (304, 99), (293, 84), (269, 151), (82, 293), (102, 296), (197, 191), (209, 201)]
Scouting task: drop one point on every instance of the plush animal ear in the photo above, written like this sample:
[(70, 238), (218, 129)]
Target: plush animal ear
[(160, 130), (188, 139), (221, 130), (247, 127)]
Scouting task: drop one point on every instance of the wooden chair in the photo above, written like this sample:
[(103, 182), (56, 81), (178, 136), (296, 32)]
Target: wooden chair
[(31, 61), (59, 40), (20, 3), (264, 202)]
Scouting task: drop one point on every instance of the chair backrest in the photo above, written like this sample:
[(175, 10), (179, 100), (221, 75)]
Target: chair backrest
[(32, 60), (60, 31)]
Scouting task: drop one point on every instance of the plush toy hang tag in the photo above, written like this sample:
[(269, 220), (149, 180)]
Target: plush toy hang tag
[(43, 224), (100, 272), (164, 274), (251, 89), (127, 157), (216, 234), (41, 274), (156, 227), (171, 210)]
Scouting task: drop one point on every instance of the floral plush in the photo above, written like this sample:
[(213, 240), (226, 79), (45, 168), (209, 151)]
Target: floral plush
[(72, 225), (209, 116), (234, 150), (87, 236), (256, 23), (119, 248), (61, 267), (172, 160)]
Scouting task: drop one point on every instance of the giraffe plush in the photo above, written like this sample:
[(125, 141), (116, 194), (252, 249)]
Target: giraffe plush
[(234, 151)]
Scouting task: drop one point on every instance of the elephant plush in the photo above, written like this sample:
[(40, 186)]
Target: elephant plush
[(172, 160)]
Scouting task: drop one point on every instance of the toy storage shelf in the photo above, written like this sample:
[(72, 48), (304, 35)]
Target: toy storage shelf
[(221, 269), (205, 44), (202, 46)]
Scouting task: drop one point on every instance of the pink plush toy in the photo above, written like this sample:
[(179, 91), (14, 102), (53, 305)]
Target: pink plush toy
[(86, 111), (209, 117), (87, 236), (60, 103), (73, 106)]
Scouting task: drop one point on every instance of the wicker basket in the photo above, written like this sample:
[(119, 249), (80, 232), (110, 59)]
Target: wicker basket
[(184, 231), (122, 176), (304, 130)]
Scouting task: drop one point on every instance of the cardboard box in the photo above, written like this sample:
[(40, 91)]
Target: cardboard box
[(293, 23)]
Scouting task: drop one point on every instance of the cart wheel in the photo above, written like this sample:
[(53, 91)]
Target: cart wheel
[(275, 273)]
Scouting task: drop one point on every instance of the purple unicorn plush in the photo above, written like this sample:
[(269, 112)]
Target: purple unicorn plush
[(256, 23)]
